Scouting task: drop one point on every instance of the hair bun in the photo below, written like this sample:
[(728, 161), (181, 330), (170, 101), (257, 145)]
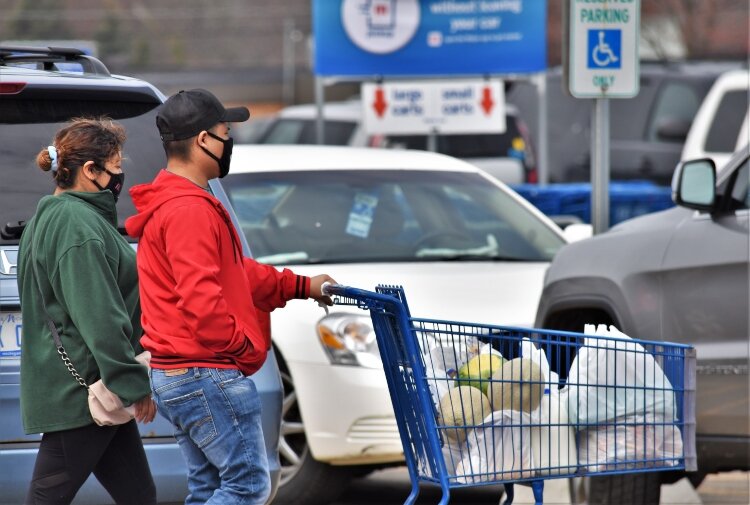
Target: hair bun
[(44, 160)]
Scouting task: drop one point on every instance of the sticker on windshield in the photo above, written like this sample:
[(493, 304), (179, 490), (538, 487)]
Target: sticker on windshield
[(360, 217)]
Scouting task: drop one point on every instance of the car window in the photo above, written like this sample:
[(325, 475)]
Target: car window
[(384, 215), (677, 102), (726, 124), (628, 117), (284, 131), (507, 144), (739, 195), (23, 183), (302, 131)]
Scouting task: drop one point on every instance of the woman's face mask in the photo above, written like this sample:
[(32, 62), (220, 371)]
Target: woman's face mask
[(115, 184)]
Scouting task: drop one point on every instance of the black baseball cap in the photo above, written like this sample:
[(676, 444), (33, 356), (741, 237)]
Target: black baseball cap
[(188, 113)]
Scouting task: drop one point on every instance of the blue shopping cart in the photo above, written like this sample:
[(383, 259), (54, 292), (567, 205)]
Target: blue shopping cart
[(481, 404)]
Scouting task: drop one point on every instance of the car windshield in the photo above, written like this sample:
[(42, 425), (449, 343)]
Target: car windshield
[(302, 131), (23, 183), (336, 216)]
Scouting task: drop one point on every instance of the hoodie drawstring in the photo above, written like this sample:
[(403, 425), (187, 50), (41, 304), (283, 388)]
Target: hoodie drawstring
[(235, 244)]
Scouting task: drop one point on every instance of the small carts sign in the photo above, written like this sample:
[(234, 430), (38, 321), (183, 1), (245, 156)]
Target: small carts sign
[(447, 107)]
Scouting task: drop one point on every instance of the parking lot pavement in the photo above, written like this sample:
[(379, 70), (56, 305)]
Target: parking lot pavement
[(391, 487), (726, 488)]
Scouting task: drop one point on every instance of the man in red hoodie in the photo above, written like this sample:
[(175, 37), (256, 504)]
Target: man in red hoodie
[(199, 297)]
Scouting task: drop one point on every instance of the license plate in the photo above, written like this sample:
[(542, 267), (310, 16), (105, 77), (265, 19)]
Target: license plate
[(10, 334)]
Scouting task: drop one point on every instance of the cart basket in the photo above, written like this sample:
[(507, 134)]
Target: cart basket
[(480, 404)]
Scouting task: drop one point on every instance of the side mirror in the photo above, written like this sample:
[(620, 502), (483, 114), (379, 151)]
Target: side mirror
[(673, 130), (694, 185)]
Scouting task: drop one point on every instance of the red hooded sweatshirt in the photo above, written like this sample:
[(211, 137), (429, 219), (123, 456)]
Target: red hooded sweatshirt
[(199, 295)]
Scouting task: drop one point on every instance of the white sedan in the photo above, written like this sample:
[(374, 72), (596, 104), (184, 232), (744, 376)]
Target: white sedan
[(463, 245)]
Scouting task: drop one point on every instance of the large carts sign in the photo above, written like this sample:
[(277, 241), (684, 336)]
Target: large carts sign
[(429, 37), (603, 58), (413, 108)]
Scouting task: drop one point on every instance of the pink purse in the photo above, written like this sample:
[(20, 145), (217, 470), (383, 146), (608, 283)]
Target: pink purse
[(106, 407)]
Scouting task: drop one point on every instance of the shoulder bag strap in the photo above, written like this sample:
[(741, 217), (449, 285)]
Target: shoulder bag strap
[(50, 323)]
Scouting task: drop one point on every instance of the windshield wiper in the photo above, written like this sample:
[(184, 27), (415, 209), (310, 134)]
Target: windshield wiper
[(472, 257), (284, 258), (487, 251), (12, 231)]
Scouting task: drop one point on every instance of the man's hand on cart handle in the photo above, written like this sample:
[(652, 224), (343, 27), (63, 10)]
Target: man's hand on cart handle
[(317, 290)]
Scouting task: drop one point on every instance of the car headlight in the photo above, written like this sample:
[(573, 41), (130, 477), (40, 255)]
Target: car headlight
[(349, 339)]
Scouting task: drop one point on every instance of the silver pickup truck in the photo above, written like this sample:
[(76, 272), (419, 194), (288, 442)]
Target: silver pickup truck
[(680, 275)]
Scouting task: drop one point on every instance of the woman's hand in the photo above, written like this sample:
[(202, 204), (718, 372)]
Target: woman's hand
[(145, 410)]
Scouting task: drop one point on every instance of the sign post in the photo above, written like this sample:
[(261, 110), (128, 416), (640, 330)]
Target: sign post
[(602, 63)]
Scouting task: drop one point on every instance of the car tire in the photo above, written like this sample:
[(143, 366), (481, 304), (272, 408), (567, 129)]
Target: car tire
[(314, 483), (303, 481), (696, 478), (626, 489)]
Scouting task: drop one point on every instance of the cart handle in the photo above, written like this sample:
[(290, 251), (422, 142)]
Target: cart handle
[(325, 288)]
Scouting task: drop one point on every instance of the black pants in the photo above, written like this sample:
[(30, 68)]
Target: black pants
[(113, 453)]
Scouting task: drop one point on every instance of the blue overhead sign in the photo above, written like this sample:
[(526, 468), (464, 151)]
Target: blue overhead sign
[(429, 37)]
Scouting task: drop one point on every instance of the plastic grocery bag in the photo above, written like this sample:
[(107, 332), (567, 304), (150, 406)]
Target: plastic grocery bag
[(616, 377), (538, 356), (630, 442), (553, 439), (443, 361), (553, 443), (498, 450), (441, 368)]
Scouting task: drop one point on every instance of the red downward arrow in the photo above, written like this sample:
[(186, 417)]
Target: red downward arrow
[(379, 104), (487, 103)]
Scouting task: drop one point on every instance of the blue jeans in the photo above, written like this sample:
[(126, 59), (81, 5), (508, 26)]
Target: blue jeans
[(217, 418)]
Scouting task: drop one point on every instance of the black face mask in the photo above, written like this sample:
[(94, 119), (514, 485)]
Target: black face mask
[(226, 155), (115, 184)]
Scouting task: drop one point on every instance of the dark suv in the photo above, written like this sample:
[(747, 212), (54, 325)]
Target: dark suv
[(647, 132), (40, 89)]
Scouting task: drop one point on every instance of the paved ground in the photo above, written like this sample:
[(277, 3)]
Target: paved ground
[(390, 487), (726, 488)]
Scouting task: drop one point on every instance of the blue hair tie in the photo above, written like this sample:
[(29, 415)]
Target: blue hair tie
[(52, 150)]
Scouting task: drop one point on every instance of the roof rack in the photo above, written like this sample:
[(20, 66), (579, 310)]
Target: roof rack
[(48, 57)]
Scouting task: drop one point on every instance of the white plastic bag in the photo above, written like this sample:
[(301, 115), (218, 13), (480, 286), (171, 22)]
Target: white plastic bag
[(538, 356), (443, 361), (616, 377), (499, 450), (441, 366), (630, 442), (553, 444), (553, 440)]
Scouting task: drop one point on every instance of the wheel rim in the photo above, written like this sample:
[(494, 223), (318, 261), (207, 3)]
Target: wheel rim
[(293, 447)]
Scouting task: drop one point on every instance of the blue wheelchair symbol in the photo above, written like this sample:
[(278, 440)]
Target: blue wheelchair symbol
[(605, 48)]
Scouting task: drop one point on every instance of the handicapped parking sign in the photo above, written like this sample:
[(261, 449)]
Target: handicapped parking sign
[(603, 37), (604, 48)]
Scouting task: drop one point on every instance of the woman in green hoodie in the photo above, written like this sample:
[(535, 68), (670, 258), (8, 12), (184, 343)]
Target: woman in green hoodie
[(81, 274)]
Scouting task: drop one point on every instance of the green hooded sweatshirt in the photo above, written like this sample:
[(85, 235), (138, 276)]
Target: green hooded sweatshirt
[(89, 280)]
